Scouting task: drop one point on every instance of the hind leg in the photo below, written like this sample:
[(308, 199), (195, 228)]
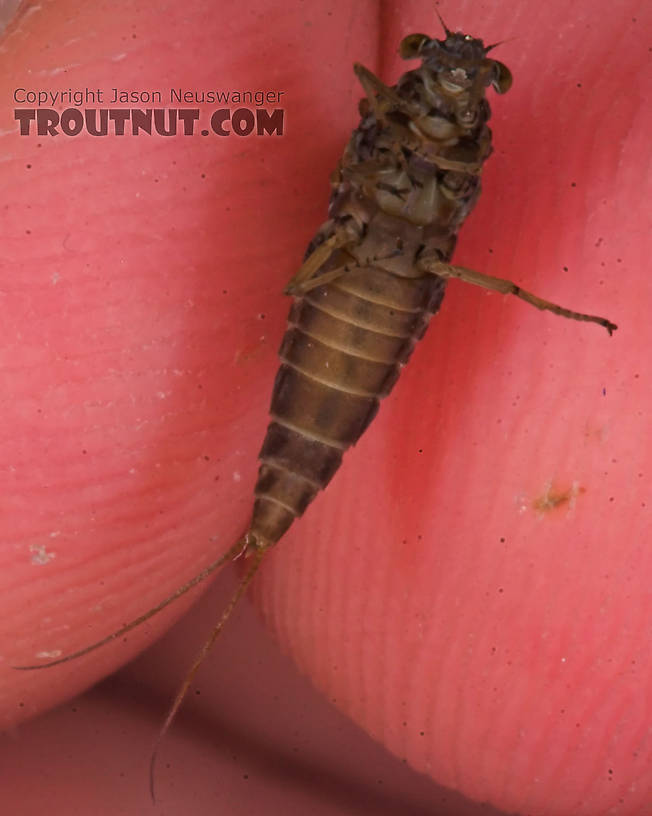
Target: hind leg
[(507, 287)]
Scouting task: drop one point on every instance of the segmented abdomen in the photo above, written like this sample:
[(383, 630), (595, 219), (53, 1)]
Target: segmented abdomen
[(342, 352)]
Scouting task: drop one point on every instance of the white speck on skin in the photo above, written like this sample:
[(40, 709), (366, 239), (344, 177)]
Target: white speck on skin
[(49, 655), (55, 533), (118, 57), (236, 476), (40, 555), (60, 70), (55, 278)]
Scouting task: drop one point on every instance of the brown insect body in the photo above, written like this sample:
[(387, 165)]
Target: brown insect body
[(372, 278), (400, 194)]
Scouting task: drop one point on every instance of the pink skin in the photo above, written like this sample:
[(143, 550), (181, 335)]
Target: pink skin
[(473, 588)]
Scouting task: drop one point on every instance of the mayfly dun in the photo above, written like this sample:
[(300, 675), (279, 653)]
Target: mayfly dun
[(373, 276)]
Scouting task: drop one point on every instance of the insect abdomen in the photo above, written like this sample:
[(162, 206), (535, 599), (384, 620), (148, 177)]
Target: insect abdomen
[(408, 178), (342, 352)]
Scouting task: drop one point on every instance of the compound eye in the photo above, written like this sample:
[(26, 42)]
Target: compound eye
[(411, 45), (502, 78)]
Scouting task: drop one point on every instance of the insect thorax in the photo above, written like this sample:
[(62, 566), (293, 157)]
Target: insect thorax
[(418, 151)]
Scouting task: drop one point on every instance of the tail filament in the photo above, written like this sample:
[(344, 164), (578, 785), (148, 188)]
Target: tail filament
[(203, 653)]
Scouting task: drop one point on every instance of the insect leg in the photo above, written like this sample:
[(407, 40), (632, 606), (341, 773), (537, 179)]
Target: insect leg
[(376, 91), (506, 287), (327, 277), (306, 279)]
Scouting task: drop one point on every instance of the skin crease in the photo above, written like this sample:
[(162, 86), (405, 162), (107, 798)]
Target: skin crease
[(473, 588)]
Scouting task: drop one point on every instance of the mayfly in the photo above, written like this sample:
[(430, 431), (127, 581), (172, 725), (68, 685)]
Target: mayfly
[(372, 278)]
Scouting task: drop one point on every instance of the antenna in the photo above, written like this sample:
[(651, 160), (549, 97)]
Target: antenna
[(447, 31)]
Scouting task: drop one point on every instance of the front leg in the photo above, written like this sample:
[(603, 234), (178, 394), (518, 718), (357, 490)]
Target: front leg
[(377, 93), (383, 100), (506, 287)]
